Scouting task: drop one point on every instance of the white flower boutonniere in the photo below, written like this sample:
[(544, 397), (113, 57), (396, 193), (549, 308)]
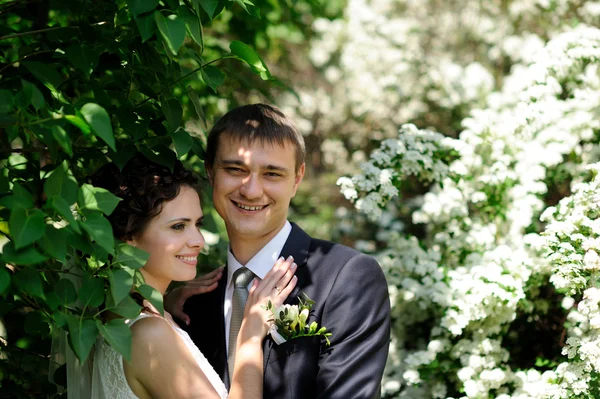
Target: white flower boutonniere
[(289, 322)]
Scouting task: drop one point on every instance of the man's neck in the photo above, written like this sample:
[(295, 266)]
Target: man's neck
[(244, 248)]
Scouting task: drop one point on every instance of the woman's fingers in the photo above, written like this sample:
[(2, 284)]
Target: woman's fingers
[(274, 275)]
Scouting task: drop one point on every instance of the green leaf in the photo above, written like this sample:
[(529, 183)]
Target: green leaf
[(60, 205), (213, 77), (128, 308), (160, 154), (182, 141), (209, 6), (130, 256), (249, 56), (193, 24), (62, 138), (44, 73), (29, 281), (35, 324), (91, 293), (173, 113), (61, 183), (198, 107), (138, 7), (80, 123), (54, 242), (252, 10), (65, 291), (146, 25), (26, 226), (97, 199), (34, 96), (27, 256), (98, 119), (118, 335), (83, 57), (99, 230), (6, 101), (153, 296), (121, 283), (82, 336), (172, 29), (21, 198), (4, 279), (123, 155), (198, 148)]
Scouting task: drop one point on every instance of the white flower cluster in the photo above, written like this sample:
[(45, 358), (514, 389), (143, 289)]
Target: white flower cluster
[(476, 264), (573, 240), (421, 153)]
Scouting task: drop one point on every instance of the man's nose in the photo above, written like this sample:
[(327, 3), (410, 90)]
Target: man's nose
[(251, 187)]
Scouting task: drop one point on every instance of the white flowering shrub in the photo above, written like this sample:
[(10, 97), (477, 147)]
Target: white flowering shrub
[(470, 287)]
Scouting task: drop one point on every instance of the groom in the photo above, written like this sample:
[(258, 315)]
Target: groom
[(255, 162)]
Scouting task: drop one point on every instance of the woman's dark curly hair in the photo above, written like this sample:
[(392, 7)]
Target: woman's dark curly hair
[(143, 187)]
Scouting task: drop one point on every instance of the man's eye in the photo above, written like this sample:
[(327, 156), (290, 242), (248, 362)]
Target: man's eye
[(178, 226), (273, 174), (237, 170)]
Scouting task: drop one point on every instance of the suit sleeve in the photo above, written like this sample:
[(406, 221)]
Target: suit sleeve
[(357, 313)]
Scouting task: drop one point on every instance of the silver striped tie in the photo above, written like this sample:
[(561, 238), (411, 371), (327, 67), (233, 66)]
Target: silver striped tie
[(241, 278)]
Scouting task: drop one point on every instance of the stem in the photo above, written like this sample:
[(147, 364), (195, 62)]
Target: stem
[(37, 122), (33, 32), (185, 76), (26, 56)]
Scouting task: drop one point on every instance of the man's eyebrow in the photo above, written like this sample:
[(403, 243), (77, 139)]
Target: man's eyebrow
[(237, 162)]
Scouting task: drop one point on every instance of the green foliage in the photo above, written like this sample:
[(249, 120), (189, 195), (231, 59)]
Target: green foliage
[(82, 84)]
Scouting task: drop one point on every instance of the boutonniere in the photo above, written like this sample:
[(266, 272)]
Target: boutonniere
[(289, 322)]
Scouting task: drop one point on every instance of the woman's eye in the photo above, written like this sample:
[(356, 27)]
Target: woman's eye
[(199, 225), (179, 226)]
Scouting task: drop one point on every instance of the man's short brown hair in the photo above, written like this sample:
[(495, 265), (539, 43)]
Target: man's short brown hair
[(261, 122)]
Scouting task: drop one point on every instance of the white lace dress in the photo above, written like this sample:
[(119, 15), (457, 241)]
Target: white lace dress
[(109, 382)]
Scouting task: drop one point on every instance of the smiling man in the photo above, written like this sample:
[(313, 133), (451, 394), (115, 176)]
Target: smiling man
[(255, 162)]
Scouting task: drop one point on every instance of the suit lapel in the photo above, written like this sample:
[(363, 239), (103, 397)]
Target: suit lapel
[(297, 245)]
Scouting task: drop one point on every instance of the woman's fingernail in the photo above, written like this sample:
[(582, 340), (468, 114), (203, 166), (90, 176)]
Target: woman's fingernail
[(280, 258), (295, 278), (294, 265), (290, 258)]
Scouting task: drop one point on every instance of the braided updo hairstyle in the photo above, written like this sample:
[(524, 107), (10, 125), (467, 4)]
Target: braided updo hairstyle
[(143, 186)]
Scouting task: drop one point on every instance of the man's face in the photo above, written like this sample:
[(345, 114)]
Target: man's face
[(253, 185)]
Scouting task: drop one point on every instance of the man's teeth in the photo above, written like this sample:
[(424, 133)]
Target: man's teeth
[(187, 258), (249, 208)]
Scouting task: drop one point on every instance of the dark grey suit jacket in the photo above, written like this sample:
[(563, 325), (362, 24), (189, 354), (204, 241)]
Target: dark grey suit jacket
[(351, 301)]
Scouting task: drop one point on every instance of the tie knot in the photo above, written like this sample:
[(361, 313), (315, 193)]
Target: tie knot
[(241, 278)]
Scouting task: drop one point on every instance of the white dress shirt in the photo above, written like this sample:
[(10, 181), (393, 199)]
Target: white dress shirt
[(260, 264)]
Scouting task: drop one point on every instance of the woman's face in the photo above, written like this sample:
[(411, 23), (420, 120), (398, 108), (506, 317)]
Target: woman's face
[(173, 240)]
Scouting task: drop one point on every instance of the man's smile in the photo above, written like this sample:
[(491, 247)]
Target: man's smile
[(249, 207)]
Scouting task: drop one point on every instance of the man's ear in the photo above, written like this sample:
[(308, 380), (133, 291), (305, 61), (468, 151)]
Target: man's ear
[(299, 176)]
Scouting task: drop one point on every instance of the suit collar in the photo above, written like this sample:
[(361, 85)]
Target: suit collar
[(297, 245)]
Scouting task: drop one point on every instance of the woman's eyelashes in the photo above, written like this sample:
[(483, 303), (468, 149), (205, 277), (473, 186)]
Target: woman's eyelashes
[(181, 226)]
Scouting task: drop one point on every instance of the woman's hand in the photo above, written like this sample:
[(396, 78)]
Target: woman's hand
[(275, 287), (175, 299)]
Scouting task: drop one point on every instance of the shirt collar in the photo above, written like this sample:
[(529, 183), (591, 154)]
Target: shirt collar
[(263, 261)]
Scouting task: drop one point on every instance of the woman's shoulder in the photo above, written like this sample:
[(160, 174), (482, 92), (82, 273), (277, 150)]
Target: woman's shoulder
[(153, 327)]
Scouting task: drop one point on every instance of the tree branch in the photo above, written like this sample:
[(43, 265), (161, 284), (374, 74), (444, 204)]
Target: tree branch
[(185, 76), (33, 32), (24, 57)]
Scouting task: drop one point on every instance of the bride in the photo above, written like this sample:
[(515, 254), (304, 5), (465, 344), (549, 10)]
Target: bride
[(160, 213)]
